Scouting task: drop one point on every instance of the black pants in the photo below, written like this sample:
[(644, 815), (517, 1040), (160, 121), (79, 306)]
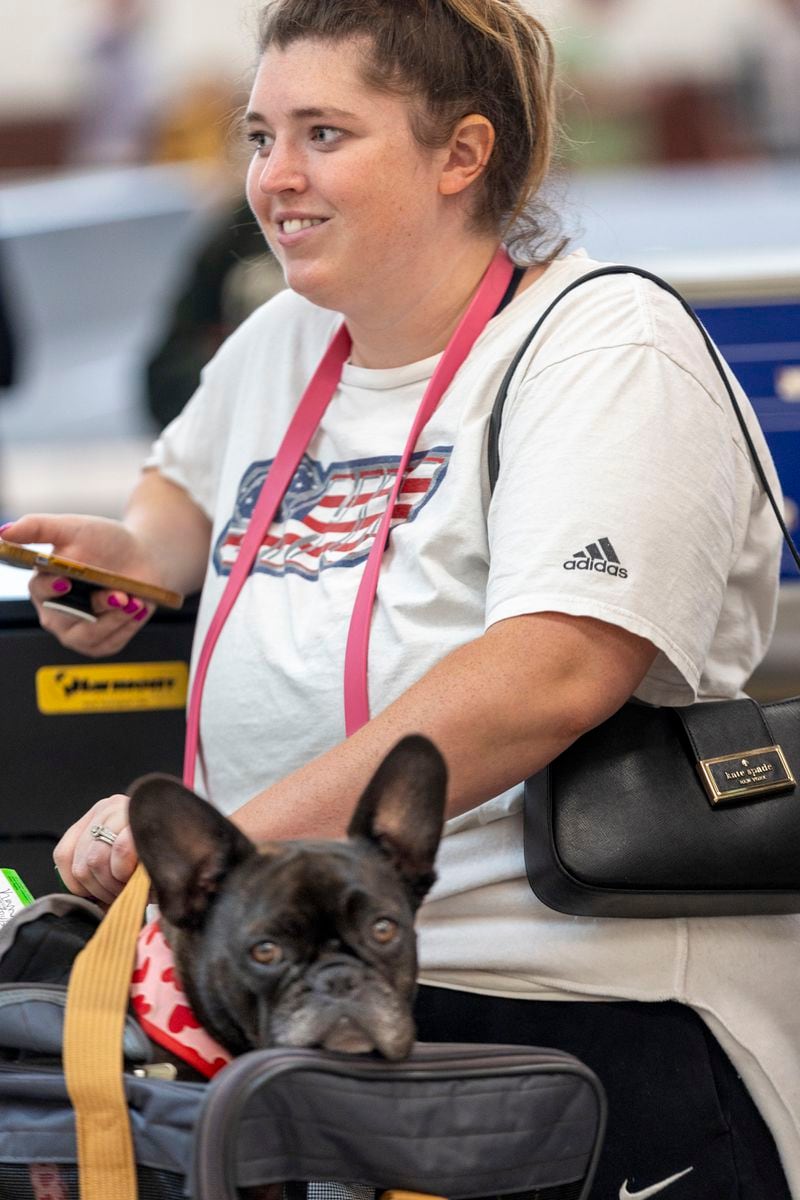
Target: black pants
[(675, 1101)]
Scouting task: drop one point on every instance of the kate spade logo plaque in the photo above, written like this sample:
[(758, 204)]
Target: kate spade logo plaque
[(733, 777)]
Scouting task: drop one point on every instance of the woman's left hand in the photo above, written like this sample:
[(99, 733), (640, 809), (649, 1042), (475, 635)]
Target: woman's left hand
[(96, 856)]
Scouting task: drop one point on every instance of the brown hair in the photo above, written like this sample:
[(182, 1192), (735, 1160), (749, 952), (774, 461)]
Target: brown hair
[(457, 57)]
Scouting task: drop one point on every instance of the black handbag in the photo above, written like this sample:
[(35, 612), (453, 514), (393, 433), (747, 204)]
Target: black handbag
[(661, 811)]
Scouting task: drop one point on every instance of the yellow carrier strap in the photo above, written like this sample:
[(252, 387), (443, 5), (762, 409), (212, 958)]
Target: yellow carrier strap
[(397, 1194), (97, 1002)]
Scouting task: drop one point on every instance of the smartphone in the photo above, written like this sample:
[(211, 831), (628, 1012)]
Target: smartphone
[(77, 602)]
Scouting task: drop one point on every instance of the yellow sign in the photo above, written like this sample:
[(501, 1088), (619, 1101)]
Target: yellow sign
[(111, 687)]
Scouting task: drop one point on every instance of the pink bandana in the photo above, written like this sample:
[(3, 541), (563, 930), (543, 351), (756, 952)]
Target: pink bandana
[(164, 1012)]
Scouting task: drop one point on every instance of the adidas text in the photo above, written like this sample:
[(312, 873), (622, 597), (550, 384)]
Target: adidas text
[(589, 564), (597, 556)]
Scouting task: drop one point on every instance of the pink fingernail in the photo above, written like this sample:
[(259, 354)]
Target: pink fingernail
[(131, 607), (60, 585), (113, 602), (141, 616), (3, 528)]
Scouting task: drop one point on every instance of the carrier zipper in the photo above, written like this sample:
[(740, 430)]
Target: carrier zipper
[(24, 993), (136, 1044), (162, 1070)]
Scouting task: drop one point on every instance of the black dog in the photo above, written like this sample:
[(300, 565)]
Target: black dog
[(298, 943)]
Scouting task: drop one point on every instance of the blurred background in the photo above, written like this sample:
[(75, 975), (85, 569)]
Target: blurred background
[(126, 254)]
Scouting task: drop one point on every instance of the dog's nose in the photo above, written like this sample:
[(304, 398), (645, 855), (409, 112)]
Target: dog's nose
[(337, 979)]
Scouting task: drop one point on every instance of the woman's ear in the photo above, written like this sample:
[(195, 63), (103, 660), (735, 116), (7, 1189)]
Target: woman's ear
[(469, 150)]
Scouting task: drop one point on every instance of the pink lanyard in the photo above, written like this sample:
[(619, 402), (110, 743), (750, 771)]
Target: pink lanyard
[(301, 429)]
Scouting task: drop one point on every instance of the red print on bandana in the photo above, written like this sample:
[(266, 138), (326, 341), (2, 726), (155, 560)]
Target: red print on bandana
[(162, 1009)]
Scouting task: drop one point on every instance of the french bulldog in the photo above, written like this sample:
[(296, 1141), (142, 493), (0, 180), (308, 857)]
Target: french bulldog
[(298, 943)]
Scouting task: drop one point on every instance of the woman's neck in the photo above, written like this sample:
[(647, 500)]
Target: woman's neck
[(417, 316)]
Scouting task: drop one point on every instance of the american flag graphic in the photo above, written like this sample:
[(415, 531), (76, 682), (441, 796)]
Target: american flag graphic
[(330, 515)]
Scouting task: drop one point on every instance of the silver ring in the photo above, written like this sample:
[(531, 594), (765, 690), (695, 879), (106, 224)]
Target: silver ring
[(101, 834)]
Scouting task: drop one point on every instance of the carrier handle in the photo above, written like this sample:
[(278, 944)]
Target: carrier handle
[(97, 1004)]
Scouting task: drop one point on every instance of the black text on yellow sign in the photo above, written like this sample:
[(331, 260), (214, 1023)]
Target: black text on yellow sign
[(111, 687)]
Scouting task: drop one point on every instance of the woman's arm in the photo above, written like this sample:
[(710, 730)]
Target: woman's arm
[(163, 517), (499, 709)]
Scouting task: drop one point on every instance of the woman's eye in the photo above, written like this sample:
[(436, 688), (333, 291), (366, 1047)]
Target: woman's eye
[(261, 142), (325, 135), (384, 930), (266, 953)]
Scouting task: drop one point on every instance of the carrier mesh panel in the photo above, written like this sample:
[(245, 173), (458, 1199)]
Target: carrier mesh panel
[(46, 1181), (329, 1190), (345, 1191)]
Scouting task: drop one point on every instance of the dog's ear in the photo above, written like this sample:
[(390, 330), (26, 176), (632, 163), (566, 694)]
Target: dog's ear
[(402, 811), (186, 845)]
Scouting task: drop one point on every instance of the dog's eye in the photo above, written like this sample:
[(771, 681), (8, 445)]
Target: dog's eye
[(384, 930), (266, 953)]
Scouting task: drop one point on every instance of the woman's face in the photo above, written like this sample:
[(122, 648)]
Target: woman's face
[(346, 197)]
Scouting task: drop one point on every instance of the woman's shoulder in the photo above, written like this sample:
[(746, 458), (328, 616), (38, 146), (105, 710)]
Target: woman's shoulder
[(606, 311)]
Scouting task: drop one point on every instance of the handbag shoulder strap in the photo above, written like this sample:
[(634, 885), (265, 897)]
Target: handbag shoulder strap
[(496, 417)]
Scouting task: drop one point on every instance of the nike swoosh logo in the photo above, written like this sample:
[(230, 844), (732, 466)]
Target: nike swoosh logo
[(624, 1194)]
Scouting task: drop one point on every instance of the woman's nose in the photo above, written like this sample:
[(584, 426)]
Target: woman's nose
[(280, 172)]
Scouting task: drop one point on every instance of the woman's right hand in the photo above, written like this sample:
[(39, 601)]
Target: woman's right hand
[(100, 542), (88, 865)]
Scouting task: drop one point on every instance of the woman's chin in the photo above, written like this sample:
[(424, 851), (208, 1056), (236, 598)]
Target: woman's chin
[(316, 285)]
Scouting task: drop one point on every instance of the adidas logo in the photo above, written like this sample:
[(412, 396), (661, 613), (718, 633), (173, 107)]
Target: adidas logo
[(598, 556)]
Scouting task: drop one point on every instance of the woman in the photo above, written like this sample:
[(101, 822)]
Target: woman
[(390, 144)]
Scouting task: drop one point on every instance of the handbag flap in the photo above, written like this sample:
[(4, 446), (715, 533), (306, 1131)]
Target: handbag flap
[(736, 752)]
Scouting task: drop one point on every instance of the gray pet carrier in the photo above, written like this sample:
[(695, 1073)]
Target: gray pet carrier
[(453, 1121)]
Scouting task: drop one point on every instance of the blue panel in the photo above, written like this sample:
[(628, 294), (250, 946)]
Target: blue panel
[(748, 324), (775, 416), (757, 339), (785, 448), (759, 382)]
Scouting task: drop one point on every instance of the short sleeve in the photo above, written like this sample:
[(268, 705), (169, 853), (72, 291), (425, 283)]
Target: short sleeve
[(188, 451), (619, 498)]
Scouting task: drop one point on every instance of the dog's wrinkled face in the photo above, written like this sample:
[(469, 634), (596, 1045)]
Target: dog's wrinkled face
[(300, 943)]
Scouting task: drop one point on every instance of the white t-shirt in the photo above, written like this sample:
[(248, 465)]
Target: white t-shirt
[(625, 493)]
